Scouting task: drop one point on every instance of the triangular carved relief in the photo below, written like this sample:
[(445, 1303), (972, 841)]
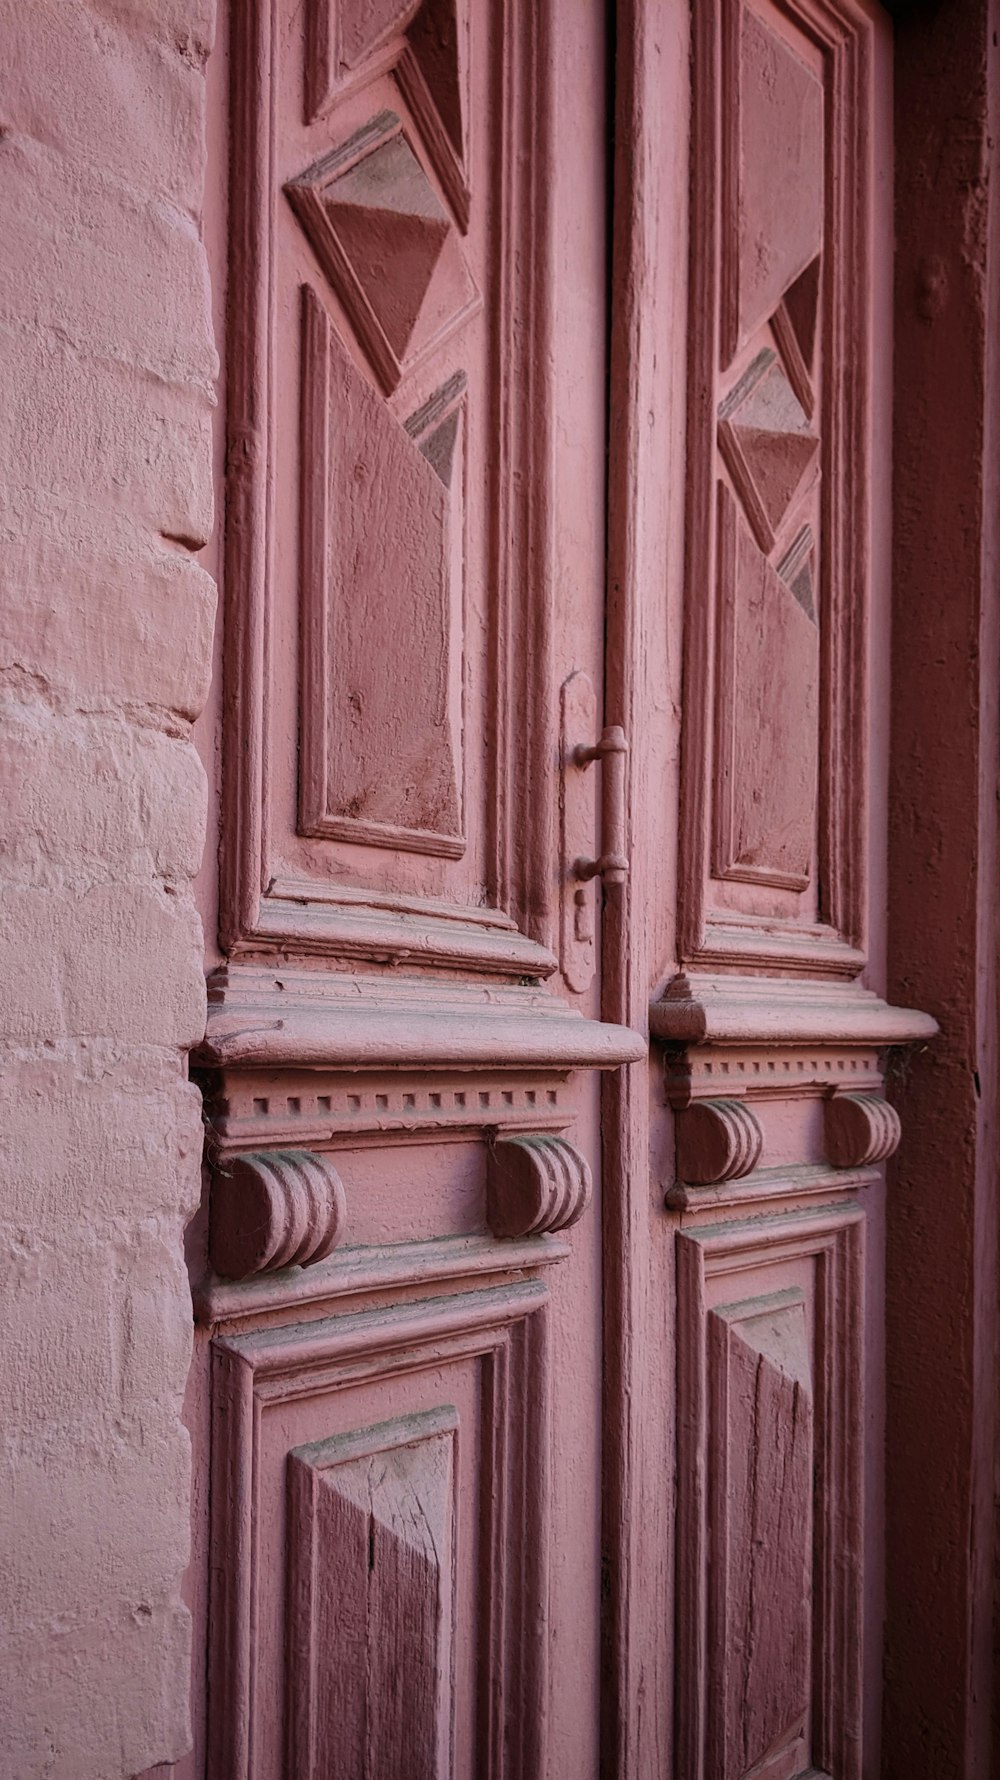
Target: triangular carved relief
[(801, 301), (794, 325), (797, 569), (435, 427), (433, 37)]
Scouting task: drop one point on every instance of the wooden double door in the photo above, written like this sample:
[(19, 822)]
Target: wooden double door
[(537, 1389)]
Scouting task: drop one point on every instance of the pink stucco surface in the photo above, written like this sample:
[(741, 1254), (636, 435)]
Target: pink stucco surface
[(107, 364)]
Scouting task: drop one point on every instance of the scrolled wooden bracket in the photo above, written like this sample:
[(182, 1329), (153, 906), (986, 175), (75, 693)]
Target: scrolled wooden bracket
[(535, 1185), (717, 1140), (860, 1129), (271, 1209)]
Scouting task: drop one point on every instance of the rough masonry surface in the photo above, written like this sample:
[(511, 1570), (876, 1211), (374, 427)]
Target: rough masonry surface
[(108, 369)]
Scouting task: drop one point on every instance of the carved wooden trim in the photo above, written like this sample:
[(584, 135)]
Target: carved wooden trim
[(312, 1108), (285, 1208), (717, 1140), (325, 404), (860, 1129), (725, 863), (722, 1287), (306, 194), (733, 1051), (258, 1378), (399, 929), (534, 1185), (526, 731)]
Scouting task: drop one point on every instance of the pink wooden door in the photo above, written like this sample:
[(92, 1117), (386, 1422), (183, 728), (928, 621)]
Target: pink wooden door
[(749, 573), (537, 1424), (399, 1296)]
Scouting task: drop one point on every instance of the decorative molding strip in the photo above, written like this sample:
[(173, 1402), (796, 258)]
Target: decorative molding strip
[(535, 1184), (311, 1108), (360, 1272), (861, 1129), (717, 1140), (282, 1209), (768, 1071)]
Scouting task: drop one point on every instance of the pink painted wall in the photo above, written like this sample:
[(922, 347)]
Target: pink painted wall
[(107, 365)]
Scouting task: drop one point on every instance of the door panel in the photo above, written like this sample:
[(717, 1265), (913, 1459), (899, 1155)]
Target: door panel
[(748, 596), (374, 403), (772, 1040), (397, 1280), (377, 1624), (774, 725)]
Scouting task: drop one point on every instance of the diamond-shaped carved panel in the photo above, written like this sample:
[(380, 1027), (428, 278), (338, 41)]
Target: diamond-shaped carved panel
[(422, 41), (387, 245), (768, 443)]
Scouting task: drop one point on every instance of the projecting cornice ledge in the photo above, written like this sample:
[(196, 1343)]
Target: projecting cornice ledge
[(708, 1011), (324, 1020)]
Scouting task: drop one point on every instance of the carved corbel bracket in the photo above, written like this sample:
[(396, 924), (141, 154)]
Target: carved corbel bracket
[(860, 1130), (269, 1210), (717, 1140), (535, 1185), (742, 1059)]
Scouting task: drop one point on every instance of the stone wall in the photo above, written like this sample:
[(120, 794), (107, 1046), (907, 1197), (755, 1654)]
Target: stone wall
[(107, 366)]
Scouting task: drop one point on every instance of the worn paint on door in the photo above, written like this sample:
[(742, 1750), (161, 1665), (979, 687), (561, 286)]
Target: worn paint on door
[(538, 1439), (400, 1289), (747, 612)]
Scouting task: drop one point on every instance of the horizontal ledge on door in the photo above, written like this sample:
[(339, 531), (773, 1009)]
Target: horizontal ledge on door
[(763, 1010), (350, 1272), (767, 1186), (333, 926), (325, 1019)]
